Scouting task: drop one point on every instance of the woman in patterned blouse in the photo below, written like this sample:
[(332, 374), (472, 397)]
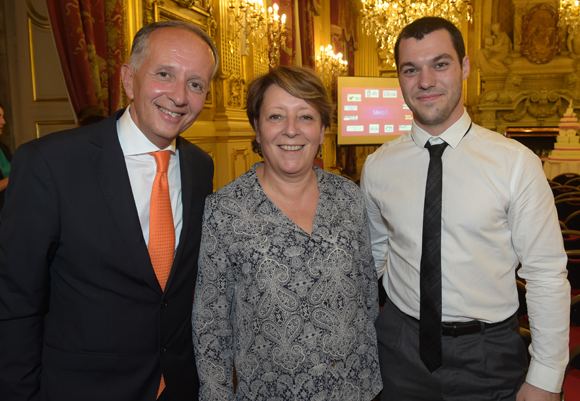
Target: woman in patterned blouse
[(287, 289)]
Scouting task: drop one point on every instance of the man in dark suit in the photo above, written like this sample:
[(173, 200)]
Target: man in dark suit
[(84, 312)]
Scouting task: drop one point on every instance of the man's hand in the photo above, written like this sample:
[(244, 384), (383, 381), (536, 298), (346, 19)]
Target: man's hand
[(531, 393)]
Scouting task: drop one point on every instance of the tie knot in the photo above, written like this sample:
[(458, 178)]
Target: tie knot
[(162, 160), (436, 150)]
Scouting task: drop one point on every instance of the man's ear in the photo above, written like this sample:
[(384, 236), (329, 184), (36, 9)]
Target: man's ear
[(127, 78), (465, 67)]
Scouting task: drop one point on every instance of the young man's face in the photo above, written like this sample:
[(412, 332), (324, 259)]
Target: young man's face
[(431, 79)]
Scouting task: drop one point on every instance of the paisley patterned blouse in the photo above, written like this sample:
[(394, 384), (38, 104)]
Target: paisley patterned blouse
[(295, 312)]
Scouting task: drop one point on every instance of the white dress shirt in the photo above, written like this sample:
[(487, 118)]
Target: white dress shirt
[(498, 211), (142, 168)]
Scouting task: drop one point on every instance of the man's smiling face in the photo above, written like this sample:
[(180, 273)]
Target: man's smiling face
[(170, 86), (431, 78)]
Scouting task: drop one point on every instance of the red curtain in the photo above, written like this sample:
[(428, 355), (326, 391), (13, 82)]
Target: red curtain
[(306, 8), (306, 22), (288, 51), (343, 16), (88, 36)]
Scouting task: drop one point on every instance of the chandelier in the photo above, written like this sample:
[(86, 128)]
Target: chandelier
[(331, 65), (569, 14), (245, 17), (386, 19), (249, 18)]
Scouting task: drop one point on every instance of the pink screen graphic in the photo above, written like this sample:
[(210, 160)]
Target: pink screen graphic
[(374, 111)]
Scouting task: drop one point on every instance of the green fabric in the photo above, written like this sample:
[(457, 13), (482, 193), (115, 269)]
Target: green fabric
[(4, 165)]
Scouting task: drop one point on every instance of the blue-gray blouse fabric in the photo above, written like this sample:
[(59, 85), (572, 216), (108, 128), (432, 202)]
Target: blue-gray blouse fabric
[(295, 311)]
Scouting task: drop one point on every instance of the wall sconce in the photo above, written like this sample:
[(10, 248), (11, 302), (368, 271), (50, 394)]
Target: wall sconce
[(331, 65), (276, 34), (248, 17)]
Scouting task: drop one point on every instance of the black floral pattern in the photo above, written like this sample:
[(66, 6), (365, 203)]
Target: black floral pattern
[(295, 312)]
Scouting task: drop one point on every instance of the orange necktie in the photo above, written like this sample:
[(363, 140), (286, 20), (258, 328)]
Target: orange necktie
[(161, 230)]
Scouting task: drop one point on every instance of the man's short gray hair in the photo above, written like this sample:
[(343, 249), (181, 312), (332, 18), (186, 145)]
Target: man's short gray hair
[(139, 50)]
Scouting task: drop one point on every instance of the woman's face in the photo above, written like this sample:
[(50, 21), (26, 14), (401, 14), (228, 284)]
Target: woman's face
[(2, 121), (290, 131)]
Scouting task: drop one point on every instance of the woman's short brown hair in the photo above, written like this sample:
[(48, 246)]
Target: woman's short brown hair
[(300, 82)]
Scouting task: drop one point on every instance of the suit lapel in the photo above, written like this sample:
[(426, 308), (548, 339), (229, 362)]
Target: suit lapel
[(112, 175), (187, 188)]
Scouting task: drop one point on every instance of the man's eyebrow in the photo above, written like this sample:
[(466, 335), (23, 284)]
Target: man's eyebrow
[(164, 67), (197, 78), (436, 59), (171, 67), (443, 56), (407, 64)]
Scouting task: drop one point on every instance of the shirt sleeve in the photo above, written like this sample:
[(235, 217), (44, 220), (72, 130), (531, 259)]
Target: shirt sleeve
[(537, 241), (379, 235), (212, 330)]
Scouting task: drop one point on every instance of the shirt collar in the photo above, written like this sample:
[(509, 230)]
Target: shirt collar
[(451, 135), (133, 141)]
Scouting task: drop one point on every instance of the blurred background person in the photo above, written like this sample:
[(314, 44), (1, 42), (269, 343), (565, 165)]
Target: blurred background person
[(90, 115), (287, 287), (5, 159)]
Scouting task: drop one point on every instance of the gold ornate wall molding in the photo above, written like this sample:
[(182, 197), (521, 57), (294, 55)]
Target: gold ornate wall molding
[(194, 4), (540, 34), (240, 161), (128, 12), (150, 11), (161, 10), (39, 37), (212, 155), (531, 84), (37, 15), (236, 92)]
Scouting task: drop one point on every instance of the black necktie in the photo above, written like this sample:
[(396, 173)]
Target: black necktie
[(430, 286)]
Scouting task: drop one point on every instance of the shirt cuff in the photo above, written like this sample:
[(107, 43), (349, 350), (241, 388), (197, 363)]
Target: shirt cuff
[(545, 378)]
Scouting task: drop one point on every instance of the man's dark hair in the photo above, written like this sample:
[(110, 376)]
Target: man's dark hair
[(424, 26)]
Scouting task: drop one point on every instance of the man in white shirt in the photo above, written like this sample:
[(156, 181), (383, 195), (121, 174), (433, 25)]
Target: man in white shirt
[(496, 211), (99, 240)]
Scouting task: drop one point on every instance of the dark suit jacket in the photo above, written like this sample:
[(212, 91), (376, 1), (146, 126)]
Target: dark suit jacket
[(82, 315)]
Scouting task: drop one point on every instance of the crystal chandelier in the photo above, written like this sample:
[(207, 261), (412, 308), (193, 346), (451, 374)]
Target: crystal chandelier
[(331, 65), (248, 17), (386, 19), (569, 15)]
